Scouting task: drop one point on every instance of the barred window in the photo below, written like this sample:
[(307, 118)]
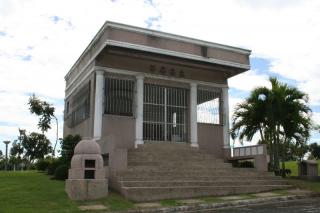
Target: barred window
[(119, 96), (208, 106), (80, 107)]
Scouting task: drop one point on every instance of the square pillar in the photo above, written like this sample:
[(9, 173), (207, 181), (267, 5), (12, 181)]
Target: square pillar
[(193, 115), (139, 111), (226, 134), (98, 105)]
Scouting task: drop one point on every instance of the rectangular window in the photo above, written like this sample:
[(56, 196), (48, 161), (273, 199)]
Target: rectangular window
[(89, 174), (119, 95), (209, 106), (78, 108), (81, 105), (90, 164)]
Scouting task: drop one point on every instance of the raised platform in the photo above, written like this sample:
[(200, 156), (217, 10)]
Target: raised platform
[(171, 170)]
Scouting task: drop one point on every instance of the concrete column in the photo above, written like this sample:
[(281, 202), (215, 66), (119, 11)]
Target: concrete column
[(193, 115), (226, 135), (139, 111), (98, 105)]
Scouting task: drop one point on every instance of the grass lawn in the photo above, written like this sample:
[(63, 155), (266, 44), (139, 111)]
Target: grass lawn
[(313, 186), (293, 166), (32, 191)]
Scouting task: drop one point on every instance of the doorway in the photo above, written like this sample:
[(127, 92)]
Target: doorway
[(165, 113)]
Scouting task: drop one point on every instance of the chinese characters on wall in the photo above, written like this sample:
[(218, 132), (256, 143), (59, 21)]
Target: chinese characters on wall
[(167, 71)]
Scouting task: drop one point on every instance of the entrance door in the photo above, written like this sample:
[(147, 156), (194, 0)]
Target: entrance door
[(165, 111)]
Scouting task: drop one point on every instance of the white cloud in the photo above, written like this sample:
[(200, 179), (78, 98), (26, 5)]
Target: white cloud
[(248, 81), (316, 118), (285, 32), (52, 34)]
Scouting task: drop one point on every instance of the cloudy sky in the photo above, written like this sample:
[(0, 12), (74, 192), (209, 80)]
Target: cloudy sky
[(41, 39)]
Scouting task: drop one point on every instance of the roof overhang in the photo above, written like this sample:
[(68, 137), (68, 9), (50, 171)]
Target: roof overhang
[(100, 41)]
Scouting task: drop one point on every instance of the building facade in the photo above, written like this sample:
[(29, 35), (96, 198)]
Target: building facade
[(133, 86)]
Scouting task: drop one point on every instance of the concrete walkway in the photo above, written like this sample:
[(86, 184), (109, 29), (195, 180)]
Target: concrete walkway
[(213, 203)]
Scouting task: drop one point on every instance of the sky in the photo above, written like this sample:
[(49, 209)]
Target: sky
[(41, 39)]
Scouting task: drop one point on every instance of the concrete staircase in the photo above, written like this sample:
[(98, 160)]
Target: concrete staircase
[(171, 170)]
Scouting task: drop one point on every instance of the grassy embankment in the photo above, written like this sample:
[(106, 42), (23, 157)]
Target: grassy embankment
[(31, 191)]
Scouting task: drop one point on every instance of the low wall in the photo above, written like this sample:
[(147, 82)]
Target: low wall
[(210, 139)]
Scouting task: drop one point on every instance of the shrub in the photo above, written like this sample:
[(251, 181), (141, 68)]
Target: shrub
[(67, 147), (246, 164), (32, 166), (61, 172), (283, 173), (243, 164), (42, 164), (53, 165)]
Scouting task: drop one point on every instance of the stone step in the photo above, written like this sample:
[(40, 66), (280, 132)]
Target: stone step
[(193, 173), (163, 151), (176, 156), (195, 182), (185, 168), (190, 165), (165, 146), (198, 177), (139, 194), (175, 170)]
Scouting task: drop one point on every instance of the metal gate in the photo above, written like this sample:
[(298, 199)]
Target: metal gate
[(165, 113)]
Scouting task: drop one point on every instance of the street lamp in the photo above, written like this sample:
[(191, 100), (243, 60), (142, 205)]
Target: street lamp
[(6, 163)]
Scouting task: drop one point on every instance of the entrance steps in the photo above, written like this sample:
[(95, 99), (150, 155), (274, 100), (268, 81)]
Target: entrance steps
[(172, 170)]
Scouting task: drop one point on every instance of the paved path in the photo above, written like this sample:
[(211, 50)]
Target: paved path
[(310, 205)]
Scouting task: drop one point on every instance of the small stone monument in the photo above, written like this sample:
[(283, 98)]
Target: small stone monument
[(86, 178), (308, 169)]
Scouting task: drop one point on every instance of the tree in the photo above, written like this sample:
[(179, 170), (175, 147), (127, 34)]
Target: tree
[(296, 152), (314, 149), (1, 155), (279, 115), (67, 147), (36, 146), (45, 111), (16, 150)]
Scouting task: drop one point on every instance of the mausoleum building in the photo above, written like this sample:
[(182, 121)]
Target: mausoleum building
[(133, 87)]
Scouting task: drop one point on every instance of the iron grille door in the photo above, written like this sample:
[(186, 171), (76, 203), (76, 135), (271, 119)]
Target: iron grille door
[(165, 113)]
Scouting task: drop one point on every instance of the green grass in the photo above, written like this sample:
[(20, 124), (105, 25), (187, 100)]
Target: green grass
[(293, 166), (313, 186), (31, 191), (282, 192), (212, 199), (169, 202), (115, 202)]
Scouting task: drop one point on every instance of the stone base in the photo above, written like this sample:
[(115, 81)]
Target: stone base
[(261, 163), (226, 154), (82, 189)]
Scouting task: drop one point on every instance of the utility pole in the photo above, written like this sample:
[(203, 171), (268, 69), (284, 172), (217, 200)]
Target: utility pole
[(6, 163)]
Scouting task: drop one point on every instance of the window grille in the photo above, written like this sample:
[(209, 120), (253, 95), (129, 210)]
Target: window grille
[(208, 106), (80, 107), (81, 103), (119, 96)]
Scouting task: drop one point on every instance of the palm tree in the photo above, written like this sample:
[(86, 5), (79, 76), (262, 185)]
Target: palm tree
[(280, 115)]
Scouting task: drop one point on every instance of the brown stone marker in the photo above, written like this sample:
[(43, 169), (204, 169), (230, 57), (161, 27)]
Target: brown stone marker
[(86, 178)]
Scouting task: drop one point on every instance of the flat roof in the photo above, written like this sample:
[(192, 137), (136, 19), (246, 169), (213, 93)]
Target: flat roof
[(158, 34)]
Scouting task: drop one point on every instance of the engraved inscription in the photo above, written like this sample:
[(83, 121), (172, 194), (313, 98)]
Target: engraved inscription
[(167, 71)]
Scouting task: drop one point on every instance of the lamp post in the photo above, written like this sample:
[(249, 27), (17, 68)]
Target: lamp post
[(6, 163)]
